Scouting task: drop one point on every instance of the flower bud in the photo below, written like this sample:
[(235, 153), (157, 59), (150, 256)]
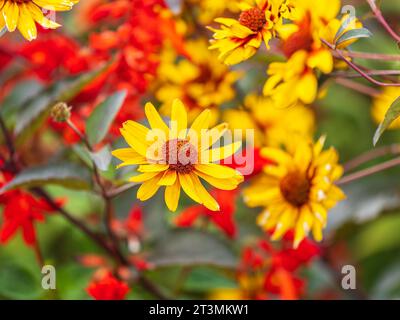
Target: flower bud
[(60, 112)]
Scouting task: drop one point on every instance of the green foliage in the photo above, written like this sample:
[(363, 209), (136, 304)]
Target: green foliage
[(103, 116), (66, 174)]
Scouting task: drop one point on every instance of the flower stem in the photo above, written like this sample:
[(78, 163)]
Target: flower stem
[(357, 68)]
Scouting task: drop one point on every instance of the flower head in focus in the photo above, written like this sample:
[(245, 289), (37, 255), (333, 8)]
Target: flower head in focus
[(238, 40), (175, 156), (200, 80), (24, 14), (106, 287), (298, 190)]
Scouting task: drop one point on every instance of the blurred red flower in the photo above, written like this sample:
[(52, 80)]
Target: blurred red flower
[(223, 219), (107, 287)]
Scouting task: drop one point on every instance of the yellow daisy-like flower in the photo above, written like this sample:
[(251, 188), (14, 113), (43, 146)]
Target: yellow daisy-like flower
[(175, 156), (382, 103), (200, 80), (238, 40), (210, 9), (298, 191), (274, 126), (23, 14)]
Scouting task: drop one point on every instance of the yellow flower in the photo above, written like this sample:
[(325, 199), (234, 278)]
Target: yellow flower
[(174, 156), (238, 40), (292, 81), (23, 14), (382, 103), (298, 191), (200, 81), (273, 126)]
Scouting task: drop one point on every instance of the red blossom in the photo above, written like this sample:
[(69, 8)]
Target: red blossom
[(107, 287), (223, 219)]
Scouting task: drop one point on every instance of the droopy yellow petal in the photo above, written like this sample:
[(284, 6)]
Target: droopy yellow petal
[(307, 88), (217, 170), (128, 154), (188, 187), (168, 179), (202, 122), (172, 194), (11, 15), (55, 5), (38, 16), (178, 119), (26, 24), (138, 130), (223, 184), (149, 188), (213, 135), (206, 199), (134, 142)]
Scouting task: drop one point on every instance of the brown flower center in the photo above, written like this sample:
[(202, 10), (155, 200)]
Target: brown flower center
[(180, 155), (254, 19), (295, 188)]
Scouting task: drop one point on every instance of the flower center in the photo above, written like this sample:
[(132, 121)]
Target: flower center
[(180, 155), (254, 19), (295, 188)]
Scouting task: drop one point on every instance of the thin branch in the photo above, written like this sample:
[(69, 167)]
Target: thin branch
[(359, 87), (346, 74), (117, 191), (393, 149), (369, 171), (357, 68), (371, 55), (379, 16)]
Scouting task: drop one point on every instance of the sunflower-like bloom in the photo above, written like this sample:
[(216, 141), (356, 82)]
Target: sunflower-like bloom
[(174, 156), (382, 103), (238, 40), (200, 81), (23, 14), (298, 191)]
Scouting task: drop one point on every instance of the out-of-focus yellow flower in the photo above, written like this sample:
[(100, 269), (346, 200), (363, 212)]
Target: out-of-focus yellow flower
[(23, 14), (238, 40), (200, 81), (273, 126), (293, 81), (298, 191), (296, 79), (382, 103), (175, 156), (211, 9), (279, 124)]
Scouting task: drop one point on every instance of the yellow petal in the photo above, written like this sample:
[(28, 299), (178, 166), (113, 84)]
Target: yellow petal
[(153, 167), (178, 119), (128, 154), (225, 151), (223, 184), (26, 24), (55, 5), (206, 199), (134, 142), (149, 188), (168, 179), (172, 194), (213, 135), (188, 187), (155, 120), (11, 15), (143, 177), (217, 170), (38, 16)]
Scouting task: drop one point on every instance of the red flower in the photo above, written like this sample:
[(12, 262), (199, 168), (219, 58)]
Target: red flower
[(107, 287), (223, 219)]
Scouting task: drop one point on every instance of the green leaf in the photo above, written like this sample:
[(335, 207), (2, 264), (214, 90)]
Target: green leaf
[(18, 282), (344, 26), (102, 158), (36, 110), (103, 116), (353, 34), (203, 280), (191, 248), (392, 114), (66, 174), (20, 95)]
